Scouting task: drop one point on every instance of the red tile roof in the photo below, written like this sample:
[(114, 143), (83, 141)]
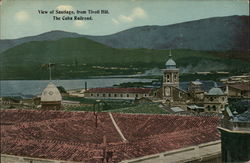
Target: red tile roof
[(119, 90), (242, 87), (73, 136)]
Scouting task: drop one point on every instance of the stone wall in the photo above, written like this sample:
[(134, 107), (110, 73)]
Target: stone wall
[(207, 152)]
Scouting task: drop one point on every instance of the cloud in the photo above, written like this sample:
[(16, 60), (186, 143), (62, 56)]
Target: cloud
[(136, 13), (22, 16), (65, 7), (116, 22), (126, 19), (79, 23)]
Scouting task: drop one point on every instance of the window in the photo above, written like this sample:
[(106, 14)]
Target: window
[(103, 95), (127, 95), (121, 95), (115, 95), (109, 95), (145, 95), (91, 94), (136, 95), (214, 108), (208, 108), (97, 94)]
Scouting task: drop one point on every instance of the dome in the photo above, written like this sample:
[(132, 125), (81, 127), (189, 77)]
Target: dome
[(215, 91), (170, 64), (51, 93)]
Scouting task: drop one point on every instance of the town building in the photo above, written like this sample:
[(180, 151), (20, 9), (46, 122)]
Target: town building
[(170, 79), (235, 136), (215, 100), (194, 98), (170, 93), (51, 97), (118, 93), (195, 91), (240, 90), (240, 79)]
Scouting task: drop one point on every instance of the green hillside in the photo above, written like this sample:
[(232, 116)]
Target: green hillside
[(80, 58)]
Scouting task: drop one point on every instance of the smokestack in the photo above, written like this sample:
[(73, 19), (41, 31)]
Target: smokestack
[(226, 89), (86, 87)]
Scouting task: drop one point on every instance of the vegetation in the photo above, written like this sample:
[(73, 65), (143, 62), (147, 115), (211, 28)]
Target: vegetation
[(134, 84), (61, 89), (238, 105), (192, 77), (80, 99), (119, 106), (88, 104), (142, 108), (80, 58)]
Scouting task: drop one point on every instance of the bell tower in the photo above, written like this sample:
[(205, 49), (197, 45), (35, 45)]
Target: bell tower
[(170, 77)]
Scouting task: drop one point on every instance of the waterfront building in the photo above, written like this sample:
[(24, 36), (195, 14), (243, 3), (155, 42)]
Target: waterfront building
[(51, 97), (118, 93)]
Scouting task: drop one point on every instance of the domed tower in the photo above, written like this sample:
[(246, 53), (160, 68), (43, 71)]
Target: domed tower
[(170, 77), (215, 100), (51, 97)]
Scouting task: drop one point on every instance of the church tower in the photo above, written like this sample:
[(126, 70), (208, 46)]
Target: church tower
[(170, 78)]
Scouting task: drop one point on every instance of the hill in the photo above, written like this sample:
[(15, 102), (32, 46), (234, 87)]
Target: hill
[(6, 44), (81, 58), (213, 34)]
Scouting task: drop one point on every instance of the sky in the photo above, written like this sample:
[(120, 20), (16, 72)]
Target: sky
[(21, 18)]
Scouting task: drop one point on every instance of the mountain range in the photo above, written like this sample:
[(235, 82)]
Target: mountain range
[(211, 34)]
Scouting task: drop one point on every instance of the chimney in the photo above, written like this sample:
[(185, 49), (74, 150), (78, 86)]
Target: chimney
[(226, 92), (86, 87)]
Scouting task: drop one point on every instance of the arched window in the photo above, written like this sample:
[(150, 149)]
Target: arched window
[(208, 108), (214, 108)]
